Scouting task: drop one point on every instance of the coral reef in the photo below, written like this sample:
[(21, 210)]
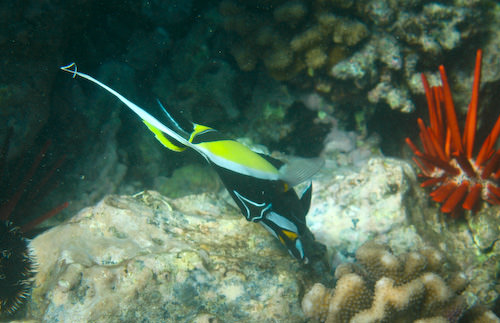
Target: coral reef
[(382, 287), (187, 180), (367, 50), (447, 159), (349, 52)]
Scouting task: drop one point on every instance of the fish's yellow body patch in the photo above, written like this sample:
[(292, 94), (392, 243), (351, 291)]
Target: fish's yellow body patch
[(240, 154), (197, 129)]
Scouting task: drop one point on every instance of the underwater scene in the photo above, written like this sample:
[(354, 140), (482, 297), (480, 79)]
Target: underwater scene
[(250, 161)]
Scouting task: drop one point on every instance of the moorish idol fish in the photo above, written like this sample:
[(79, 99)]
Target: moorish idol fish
[(261, 186)]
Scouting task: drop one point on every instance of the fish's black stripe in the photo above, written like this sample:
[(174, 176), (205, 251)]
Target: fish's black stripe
[(208, 136)]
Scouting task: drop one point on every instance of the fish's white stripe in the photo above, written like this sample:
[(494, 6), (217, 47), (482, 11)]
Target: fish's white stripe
[(244, 200), (282, 222)]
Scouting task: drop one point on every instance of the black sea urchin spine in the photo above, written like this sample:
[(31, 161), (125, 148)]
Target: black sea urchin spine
[(17, 268)]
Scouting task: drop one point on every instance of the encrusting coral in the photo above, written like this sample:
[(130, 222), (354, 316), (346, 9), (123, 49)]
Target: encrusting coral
[(382, 287)]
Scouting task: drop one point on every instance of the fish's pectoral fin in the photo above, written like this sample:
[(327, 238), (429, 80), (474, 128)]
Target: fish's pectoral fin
[(298, 170), (162, 139)]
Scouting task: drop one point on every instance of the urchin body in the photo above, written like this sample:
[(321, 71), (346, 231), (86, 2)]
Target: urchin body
[(17, 268)]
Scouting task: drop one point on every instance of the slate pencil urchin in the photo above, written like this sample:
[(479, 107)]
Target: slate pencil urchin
[(17, 268)]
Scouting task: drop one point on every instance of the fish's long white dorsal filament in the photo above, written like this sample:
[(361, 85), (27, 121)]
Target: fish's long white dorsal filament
[(72, 68), (68, 67)]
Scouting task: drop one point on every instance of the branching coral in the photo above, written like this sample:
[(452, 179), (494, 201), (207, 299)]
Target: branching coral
[(382, 287), (447, 159)]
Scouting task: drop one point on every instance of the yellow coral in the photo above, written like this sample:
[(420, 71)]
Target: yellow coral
[(306, 39), (350, 295), (389, 298), (327, 22), (315, 305), (349, 32), (315, 58), (389, 288), (294, 37), (278, 58), (244, 57), (290, 12)]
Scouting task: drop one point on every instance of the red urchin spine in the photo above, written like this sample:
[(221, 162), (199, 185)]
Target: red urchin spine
[(446, 159)]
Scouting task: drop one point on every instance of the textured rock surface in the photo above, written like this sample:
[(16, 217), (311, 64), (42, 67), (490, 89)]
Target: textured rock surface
[(156, 259), (353, 205), (472, 243)]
